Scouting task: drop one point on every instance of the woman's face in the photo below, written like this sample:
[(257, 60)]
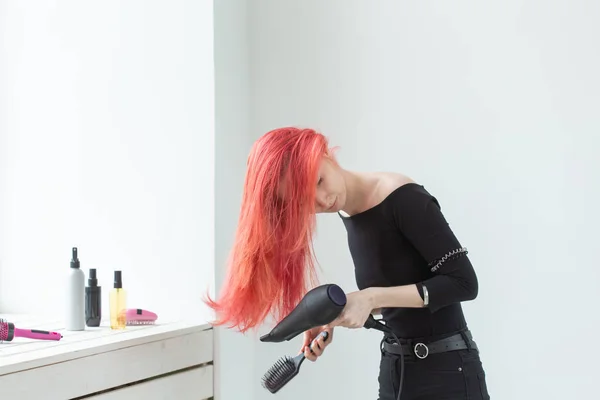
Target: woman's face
[(331, 188)]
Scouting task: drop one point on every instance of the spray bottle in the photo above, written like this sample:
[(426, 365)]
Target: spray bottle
[(93, 300), (118, 303), (75, 313)]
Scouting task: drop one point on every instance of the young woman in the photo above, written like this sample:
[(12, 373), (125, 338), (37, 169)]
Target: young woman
[(408, 264)]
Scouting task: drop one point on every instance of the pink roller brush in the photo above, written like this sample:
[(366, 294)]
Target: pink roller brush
[(138, 316), (8, 332)]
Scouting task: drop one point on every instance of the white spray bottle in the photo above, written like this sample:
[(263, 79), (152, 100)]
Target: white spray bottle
[(75, 296)]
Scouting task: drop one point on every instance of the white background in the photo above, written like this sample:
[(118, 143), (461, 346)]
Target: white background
[(493, 107), (107, 144)]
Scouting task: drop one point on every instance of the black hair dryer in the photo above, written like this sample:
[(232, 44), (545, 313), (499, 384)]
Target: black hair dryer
[(318, 307)]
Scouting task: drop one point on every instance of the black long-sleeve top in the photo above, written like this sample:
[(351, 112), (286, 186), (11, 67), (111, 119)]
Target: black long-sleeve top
[(395, 243)]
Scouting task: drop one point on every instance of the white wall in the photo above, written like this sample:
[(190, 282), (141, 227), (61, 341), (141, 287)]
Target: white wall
[(493, 107), (234, 353), (107, 143)]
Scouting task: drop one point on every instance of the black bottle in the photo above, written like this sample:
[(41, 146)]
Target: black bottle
[(93, 301)]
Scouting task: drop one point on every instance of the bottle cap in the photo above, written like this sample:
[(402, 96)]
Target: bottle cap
[(118, 284), (92, 280)]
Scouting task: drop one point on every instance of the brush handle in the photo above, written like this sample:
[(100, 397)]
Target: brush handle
[(325, 335), (37, 334)]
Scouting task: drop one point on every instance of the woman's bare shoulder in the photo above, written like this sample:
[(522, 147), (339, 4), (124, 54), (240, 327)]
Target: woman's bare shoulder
[(390, 181), (383, 184)]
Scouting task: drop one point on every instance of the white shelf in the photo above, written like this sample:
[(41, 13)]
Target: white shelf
[(163, 361)]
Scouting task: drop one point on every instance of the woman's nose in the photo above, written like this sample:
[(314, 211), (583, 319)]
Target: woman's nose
[(322, 202)]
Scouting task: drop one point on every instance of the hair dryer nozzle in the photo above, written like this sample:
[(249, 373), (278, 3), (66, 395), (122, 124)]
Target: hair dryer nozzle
[(318, 307)]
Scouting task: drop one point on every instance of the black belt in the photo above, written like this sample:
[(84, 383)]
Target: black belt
[(459, 341)]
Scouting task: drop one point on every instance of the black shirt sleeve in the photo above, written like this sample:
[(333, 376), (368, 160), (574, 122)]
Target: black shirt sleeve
[(419, 217)]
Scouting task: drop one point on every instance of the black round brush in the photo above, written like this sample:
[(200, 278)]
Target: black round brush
[(284, 370)]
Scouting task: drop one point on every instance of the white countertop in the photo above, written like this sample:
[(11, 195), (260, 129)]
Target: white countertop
[(23, 354)]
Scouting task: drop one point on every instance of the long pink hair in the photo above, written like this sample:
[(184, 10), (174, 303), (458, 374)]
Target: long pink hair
[(271, 265)]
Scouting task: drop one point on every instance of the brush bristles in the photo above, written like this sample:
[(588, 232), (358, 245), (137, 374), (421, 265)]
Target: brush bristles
[(279, 374), (131, 323), (3, 330)]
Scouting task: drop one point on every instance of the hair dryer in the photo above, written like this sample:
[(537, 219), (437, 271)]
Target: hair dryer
[(318, 307)]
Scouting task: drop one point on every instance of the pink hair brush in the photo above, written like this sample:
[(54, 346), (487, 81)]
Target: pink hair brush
[(8, 332), (137, 316)]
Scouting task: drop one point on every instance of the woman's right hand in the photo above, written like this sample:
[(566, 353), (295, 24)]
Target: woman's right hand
[(315, 340)]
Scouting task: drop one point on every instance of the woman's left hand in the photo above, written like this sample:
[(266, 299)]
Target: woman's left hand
[(359, 305)]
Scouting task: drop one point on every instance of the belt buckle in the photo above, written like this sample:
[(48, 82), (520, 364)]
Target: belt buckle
[(421, 350)]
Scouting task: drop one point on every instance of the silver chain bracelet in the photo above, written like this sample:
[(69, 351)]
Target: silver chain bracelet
[(453, 254)]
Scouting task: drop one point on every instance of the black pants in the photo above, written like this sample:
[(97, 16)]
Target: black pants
[(453, 375)]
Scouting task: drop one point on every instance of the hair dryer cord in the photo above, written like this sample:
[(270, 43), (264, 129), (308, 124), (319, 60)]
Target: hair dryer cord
[(380, 325), (401, 366)]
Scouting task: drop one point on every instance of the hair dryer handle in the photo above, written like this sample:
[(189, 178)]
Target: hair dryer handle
[(372, 323)]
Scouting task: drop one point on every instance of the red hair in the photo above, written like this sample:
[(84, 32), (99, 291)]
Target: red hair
[(271, 263)]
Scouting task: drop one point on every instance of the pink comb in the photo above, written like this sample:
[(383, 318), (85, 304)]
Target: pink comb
[(8, 332), (137, 316)]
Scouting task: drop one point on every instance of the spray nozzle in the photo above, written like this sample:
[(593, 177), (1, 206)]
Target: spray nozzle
[(118, 282), (74, 259)]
